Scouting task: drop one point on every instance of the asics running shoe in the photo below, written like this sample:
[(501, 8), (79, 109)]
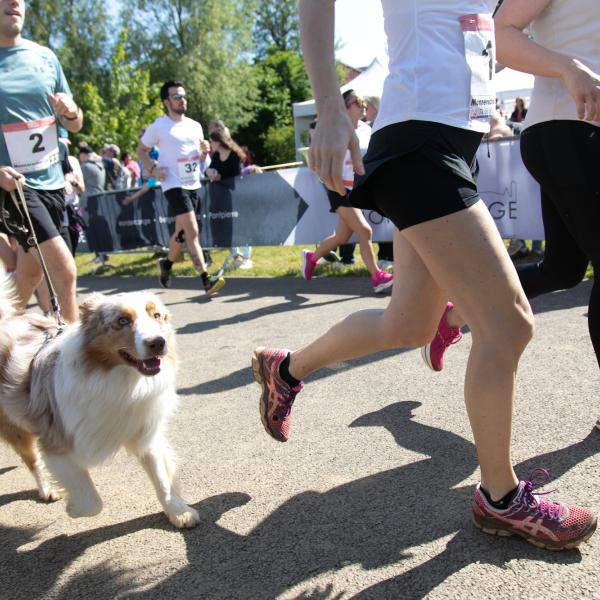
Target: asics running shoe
[(433, 353)]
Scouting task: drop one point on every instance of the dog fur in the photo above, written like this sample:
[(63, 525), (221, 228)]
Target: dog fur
[(80, 395)]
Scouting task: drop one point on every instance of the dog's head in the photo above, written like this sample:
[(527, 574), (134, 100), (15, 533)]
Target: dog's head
[(130, 330)]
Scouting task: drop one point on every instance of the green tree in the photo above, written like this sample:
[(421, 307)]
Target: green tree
[(276, 26), (128, 103), (206, 44)]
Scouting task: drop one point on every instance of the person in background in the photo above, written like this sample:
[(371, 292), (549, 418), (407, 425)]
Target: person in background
[(178, 169), (135, 174), (520, 112), (385, 250), (350, 220)]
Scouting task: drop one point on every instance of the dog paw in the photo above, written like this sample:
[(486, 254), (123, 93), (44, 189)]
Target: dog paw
[(184, 519), (49, 495), (89, 508)]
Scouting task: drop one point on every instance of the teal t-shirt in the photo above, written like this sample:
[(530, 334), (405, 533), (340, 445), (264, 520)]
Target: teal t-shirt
[(29, 127)]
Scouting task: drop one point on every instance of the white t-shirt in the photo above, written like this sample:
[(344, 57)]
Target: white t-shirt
[(179, 146), (429, 78), (363, 133), (570, 28)]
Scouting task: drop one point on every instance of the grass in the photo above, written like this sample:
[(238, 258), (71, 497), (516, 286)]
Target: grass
[(269, 261)]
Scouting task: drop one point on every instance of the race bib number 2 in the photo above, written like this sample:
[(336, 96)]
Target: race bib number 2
[(33, 145), (480, 52)]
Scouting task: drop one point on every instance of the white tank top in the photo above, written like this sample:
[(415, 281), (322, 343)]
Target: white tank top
[(573, 29), (429, 78)]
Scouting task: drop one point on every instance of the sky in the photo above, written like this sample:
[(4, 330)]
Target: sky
[(358, 29)]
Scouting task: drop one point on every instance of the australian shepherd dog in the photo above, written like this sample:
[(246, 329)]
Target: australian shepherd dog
[(70, 400)]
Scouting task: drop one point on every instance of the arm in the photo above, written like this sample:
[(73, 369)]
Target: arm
[(334, 132), (68, 113), (516, 50), (133, 197), (151, 166)]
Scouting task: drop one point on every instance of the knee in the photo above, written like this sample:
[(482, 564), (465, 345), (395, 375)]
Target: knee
[(66, 274), (365, 233), (510, 335)]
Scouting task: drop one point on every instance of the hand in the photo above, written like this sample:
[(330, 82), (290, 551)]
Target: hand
[(64, 105), (212, 174), (584, 86), (159, 173), (68, 187), (204, 147), (7, 179), (334, 135), (127, 200)]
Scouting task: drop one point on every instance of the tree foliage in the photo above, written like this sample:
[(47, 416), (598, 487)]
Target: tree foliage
[(276, 26)]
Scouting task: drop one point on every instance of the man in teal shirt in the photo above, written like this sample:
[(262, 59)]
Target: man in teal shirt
[(35, 100)]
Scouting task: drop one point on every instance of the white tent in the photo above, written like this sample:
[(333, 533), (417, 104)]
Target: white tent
[(368, 83), (509, 85)]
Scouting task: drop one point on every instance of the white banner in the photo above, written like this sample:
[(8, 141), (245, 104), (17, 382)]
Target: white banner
[(505, 185)]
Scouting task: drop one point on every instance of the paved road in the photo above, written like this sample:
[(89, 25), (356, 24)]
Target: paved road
[(370, 497)]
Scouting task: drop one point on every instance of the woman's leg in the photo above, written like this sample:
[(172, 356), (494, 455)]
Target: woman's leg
[(355, 220), (461, 256), (341, 236)]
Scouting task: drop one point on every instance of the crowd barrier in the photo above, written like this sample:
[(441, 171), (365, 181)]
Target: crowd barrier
[(290, 207)]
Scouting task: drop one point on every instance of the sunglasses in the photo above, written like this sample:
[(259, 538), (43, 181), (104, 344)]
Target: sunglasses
[(178, 96), (353, 101)]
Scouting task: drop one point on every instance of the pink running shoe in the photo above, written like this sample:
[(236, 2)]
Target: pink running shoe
[(277, 397), (433, 353), (381, 281), (308, 263), (543, 523)]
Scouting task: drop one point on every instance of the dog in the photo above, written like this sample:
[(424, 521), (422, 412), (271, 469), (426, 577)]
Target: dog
[(71, 398)]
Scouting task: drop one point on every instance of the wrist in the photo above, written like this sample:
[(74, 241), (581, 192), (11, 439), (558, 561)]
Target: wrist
[(75, 116)]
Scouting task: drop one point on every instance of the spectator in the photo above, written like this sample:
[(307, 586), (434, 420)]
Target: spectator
[(518, 115), (117, 176), (135, 178)]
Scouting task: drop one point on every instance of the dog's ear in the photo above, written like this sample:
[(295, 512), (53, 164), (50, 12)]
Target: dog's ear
[(88, 307)]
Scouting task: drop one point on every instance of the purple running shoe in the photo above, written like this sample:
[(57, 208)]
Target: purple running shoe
[(542, 522), (277, 396), (433, 353)]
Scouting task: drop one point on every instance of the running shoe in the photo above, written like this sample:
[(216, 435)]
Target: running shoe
[(277, 396), (381, 281), (164, 277), (308, 263), (542, 522), (331, 258), (433, 353), (213, 285)]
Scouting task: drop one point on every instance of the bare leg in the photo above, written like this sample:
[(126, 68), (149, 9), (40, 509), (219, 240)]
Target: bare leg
[(355, 219), (8, 254), (61, 266), (341, 236), (459, 256), (189, 224), (160, 470)]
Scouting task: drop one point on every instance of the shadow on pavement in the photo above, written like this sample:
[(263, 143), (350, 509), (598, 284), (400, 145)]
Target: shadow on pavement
[(373, 522)]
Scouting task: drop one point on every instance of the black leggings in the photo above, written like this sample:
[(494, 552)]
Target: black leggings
[(564, 158)]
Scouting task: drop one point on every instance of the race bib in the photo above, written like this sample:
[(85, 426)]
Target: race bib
[(32, 146), (188, 170), (348, 171), (480, 52)]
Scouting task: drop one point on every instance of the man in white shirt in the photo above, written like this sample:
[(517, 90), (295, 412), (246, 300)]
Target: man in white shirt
[(179, 140)]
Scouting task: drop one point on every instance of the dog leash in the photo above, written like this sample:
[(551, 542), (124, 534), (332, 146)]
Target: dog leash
[(32, 241)]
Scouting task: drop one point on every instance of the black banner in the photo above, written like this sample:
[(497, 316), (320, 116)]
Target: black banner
[(258, 209)]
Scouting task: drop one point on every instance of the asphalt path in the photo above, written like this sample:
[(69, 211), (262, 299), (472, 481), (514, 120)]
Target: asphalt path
[(369, 498)]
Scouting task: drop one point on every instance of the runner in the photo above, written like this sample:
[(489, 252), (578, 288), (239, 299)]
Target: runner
[(436, 105), (34, 100), (560, 146), (181, 152)]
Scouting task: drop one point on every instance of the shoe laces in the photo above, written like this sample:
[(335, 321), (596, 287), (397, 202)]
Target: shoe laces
[(532, 503), (451, 337), (284, 406)]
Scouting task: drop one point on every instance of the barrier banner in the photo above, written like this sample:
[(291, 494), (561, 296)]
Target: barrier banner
[(290, 207)]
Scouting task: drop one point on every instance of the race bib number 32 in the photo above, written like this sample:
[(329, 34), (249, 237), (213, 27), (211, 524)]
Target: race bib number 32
[(189, 170), (33, 145), (480, 52)]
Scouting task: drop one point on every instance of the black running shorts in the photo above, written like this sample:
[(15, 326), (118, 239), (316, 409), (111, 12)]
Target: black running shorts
[(46, 210), (417, 171), (181, 201)]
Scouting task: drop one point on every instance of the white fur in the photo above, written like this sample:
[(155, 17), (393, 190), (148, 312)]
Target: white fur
[(96, 412)]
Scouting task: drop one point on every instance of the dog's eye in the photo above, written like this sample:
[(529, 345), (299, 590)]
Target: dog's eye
[(124, 321), (157, 316)]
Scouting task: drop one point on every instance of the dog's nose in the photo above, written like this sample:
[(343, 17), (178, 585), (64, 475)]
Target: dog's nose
[(156, 344)]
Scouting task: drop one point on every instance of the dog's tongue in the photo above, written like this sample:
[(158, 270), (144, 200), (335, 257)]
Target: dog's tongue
[(149, 366)]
